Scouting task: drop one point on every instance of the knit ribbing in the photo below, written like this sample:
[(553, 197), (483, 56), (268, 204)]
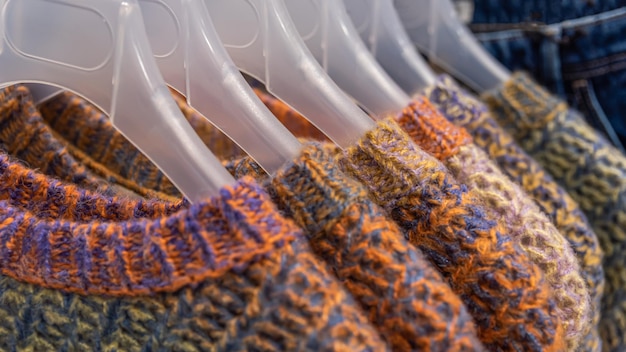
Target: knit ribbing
[(501, 287), (463, 110), (587, 166), (402, 293), (49, 198), (145, 255), (89, 130), (24, 135), (504, 200), (262, 289), (405, 296), (430, 131)]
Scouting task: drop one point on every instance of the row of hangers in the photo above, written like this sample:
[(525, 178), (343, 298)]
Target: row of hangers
[(318, 56)]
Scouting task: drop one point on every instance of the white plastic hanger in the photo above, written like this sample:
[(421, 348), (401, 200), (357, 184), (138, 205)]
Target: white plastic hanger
[(328, 32), (99, 50), (435, 28), (381, 30), (193, 61), (264, 42)]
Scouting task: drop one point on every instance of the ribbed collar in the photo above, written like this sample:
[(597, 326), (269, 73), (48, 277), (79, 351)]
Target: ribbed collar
[(430, 130), (24, 135), (520, 105), (141, 256)]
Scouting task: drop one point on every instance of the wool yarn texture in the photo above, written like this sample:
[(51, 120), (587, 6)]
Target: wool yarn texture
[(450, 145), (530, 324), (502, 199), (464, 110), (555, 341), (91, 137), (504, 291), (592, 171), (225, 274), (24, 135), (403, 294), (53, 199)]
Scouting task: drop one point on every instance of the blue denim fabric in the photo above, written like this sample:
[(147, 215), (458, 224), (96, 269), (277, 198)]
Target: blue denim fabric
[(576, 48), (540, 11)]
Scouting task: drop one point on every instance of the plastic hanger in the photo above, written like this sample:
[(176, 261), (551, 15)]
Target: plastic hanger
[(263, 41), (114, 69), (328, 32), (435, 28), (193, 61), (381, 30)]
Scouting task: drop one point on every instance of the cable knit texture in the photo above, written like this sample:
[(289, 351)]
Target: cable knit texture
[(502, 288), (259, 287), (523, 220), (588, 167), (463, 110)]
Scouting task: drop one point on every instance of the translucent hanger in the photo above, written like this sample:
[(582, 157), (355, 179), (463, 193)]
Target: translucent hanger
[(263, 41), (435, 28), (194, 61), (383, 33), (99, 50), (328, 32)]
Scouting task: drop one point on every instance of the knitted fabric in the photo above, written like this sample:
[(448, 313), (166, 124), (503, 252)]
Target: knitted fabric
[(230, 273), (30, 190), (24, 135), (463, 110), (504, 200), (404, 296), (402, 293), (90, 131), (591, 170), (541, 240), (503, 290)]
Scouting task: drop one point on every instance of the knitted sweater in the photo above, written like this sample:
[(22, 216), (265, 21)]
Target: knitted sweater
[(462, 109), (591, 170), (24, 135), (501, 287), (402, 293), (91, 137), (52, 199), (227, 274), (404, 296), (503, 199), (537, 235), (530, 324)]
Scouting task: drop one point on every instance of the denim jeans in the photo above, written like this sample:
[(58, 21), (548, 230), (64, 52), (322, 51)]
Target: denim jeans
[(576, 48)]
